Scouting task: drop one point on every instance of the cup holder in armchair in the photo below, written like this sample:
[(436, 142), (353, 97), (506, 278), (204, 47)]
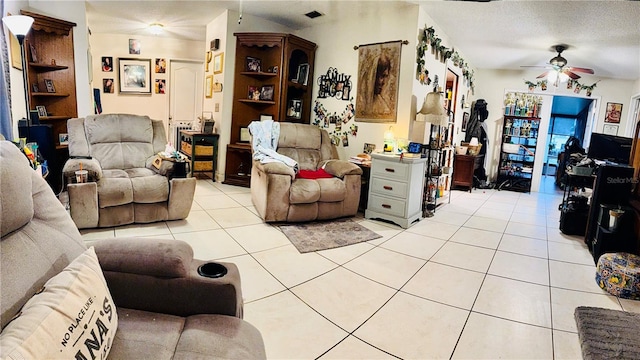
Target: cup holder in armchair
[(212, 270)]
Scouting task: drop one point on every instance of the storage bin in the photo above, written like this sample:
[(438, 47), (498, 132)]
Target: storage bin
[(202, 165)]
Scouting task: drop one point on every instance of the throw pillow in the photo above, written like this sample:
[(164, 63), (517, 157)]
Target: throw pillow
[(71, 317)]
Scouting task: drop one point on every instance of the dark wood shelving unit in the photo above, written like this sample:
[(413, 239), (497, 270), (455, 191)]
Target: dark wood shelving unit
[(286, 52), (51, 41)]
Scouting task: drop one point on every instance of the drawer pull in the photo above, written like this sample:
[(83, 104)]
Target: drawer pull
[(386, 206), (387, 187), (389, 170)]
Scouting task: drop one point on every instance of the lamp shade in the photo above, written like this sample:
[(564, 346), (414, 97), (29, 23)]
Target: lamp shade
[(433, 109), (19, 25)]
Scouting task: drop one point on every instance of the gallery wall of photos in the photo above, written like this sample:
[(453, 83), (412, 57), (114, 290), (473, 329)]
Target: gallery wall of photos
[(335, 87)]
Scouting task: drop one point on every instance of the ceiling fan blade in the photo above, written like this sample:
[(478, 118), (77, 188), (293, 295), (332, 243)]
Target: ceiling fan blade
[(582, 70), (537, 66), (571, 74), (544, 74)]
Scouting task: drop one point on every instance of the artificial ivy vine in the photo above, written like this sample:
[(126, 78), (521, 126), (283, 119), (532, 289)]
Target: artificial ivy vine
[(429, 38), (571, 84)]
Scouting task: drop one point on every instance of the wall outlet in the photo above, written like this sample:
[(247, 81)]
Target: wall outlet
[(217, 107)]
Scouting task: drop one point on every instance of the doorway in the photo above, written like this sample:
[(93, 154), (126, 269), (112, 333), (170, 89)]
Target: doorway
[(569, 119)]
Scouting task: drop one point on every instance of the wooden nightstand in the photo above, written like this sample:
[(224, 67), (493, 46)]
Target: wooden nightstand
[(463, 166)]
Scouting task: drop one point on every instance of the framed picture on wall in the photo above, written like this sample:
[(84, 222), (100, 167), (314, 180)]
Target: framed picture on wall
[(134, 76), (613, 114), (217, 63), (208, 86)]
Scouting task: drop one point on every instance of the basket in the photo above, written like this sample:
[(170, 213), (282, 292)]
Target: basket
[(202, 165), (201, 150), (473, 149)]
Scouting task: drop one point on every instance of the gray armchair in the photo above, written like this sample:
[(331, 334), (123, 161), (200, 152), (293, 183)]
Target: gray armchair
[(279, 195), (165, 308), (124, 187)]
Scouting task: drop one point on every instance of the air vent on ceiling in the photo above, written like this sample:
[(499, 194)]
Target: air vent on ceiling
[(313, 14)]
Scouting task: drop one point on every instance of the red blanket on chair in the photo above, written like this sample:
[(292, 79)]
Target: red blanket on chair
[(314, 174)]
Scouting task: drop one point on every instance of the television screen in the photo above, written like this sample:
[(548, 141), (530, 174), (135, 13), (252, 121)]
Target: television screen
[(611, 148)]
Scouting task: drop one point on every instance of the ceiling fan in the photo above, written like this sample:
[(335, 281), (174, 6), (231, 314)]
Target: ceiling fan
[(558, 63)]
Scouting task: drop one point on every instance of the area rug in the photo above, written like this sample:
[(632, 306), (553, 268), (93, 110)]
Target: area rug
[(608, 334), (322, 235)]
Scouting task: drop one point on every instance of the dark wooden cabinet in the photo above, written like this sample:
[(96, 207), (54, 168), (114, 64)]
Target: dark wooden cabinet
[(273, 78), (463, 166)]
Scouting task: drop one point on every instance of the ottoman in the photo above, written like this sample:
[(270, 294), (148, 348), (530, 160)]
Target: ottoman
[(619, 274)]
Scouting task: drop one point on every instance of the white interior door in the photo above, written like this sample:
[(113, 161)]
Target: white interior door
[(186, 84)]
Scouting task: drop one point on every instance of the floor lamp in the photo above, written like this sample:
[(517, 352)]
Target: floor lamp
[(19, 25)]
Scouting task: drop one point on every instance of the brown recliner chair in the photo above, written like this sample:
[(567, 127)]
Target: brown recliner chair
[(124, 187), (279, 195), (165, 308)]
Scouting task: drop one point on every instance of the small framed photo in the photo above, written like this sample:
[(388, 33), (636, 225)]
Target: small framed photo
[(218, 63), (294, 109), (253, 93), (613, 113), (254, 64), (63, 138), (465, 120), (107, 86), (368, 148), (346, 92), (303, 74), (35, 88), (208, 86), (34, 54), (610, 129), (161, 85), (245, 136), (48, 83), (266, 92), (161, 66), (42, 111), (134, 46), (107, 63), (273, 69), (134, 76)]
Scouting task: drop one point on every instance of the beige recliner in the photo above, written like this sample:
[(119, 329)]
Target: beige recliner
[(165, 308), (279, 195), (124, 187)]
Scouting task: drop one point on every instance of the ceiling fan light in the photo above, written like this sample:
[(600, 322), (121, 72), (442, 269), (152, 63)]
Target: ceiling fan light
[(156, 28), (552, 77), (563, 77)]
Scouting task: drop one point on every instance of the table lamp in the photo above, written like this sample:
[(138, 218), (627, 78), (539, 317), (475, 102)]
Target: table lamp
[(433, 109)]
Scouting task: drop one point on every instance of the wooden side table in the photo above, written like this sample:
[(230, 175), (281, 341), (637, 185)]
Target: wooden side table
[(201, 150), (364, 187), (463, 166)]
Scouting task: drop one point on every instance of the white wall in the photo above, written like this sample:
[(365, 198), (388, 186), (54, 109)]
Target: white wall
[(223, 27), (335, 49), (156, 106)]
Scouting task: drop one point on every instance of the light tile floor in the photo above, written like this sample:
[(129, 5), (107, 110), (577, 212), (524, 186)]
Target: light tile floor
[(489, 276)]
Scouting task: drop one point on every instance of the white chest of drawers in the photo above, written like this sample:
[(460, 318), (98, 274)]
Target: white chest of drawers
[(395, 190)]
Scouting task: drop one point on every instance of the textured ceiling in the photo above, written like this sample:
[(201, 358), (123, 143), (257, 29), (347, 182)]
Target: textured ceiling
[(602, 35)]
